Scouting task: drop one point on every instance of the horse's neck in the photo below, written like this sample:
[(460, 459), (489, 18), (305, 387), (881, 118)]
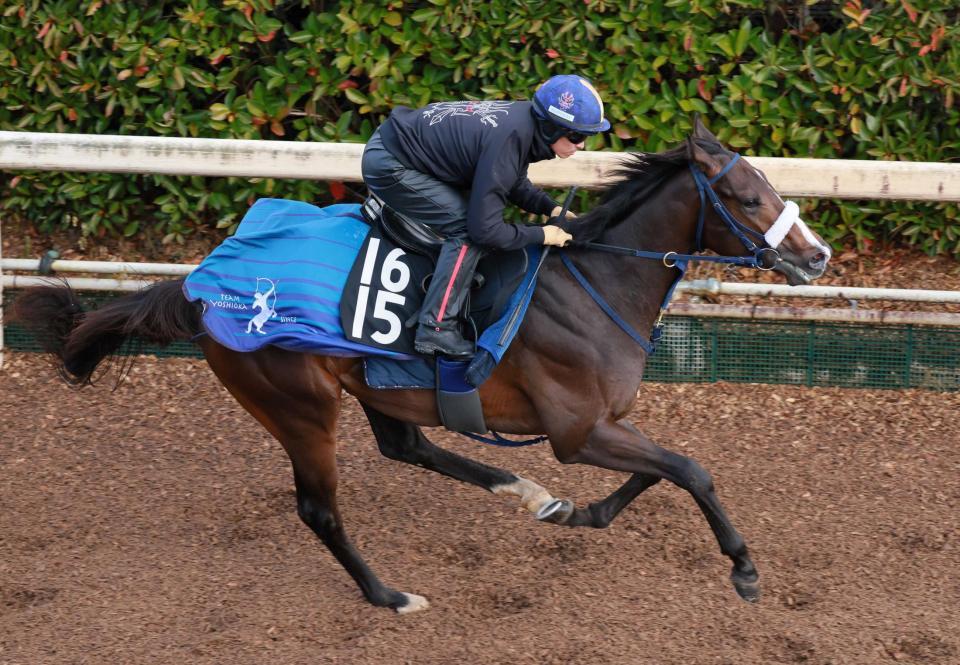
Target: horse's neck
[(636, 287), (568, 327)]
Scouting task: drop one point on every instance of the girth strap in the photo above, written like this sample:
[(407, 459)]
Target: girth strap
[(498, 440)]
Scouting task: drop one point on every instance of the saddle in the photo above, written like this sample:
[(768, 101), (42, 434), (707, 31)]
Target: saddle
[(395, 266), (406, 233), (496, 278)]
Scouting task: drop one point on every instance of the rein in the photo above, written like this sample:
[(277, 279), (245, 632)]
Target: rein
[(669, 259), (677, 260)]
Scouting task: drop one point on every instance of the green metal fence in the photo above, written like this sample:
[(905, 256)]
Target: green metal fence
[(810, 353), (702, 350)]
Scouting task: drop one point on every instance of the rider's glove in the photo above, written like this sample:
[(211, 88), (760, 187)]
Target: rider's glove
[(554, 235)]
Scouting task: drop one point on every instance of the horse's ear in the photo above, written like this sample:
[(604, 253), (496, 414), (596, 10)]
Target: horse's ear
[(707, 162), (700, 130), (697, 155)]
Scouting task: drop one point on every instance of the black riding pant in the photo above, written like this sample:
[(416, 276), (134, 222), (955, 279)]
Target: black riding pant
[(416, 195)]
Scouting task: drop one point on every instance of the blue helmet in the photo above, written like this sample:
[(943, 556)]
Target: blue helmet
[(572, 102)]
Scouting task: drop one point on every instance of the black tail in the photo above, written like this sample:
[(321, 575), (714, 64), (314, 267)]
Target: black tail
[(82, 340)]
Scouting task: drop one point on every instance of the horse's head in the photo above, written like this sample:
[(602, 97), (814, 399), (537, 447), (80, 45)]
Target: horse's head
[(801, 255)]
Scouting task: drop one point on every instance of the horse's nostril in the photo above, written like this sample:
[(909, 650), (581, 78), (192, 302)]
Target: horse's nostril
[(818, 261)]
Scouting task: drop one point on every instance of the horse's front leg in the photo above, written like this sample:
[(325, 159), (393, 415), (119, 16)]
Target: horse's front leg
[(611, 445), (599, 514)]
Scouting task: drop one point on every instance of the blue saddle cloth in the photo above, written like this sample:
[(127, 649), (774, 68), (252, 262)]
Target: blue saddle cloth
[(278, 281)]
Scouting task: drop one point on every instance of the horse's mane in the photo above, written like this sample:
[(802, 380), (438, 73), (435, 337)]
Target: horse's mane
[(635, 181)]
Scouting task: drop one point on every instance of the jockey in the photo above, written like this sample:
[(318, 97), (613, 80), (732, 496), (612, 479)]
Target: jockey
[(455, 165)]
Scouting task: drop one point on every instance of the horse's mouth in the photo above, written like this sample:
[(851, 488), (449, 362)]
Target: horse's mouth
[(796, 275)]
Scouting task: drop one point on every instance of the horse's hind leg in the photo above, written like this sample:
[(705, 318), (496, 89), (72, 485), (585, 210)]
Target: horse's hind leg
[(298, 402), (404, 442), (316, 479)]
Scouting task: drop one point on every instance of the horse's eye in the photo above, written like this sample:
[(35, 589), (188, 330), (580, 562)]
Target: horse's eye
[(751, 203)]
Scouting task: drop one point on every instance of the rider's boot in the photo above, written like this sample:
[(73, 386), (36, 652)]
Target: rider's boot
[(439, 331)]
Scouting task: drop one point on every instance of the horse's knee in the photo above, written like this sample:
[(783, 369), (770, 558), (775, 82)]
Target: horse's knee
[(695, 478), (317, 516)]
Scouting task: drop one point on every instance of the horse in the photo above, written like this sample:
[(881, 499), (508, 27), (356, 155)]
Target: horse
[(569, 374)]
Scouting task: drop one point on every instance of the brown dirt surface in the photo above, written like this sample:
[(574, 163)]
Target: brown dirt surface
[(156, 524)]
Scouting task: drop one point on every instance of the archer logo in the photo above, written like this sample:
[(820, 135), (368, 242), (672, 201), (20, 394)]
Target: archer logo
[(265, 301)]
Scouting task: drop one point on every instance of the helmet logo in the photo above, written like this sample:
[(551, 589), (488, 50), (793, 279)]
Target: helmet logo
[(570, 101)]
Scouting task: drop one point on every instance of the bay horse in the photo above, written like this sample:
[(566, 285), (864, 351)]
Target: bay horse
[(570, 374)]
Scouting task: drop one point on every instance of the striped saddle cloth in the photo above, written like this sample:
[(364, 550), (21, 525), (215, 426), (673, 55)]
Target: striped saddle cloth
[(280, 281)]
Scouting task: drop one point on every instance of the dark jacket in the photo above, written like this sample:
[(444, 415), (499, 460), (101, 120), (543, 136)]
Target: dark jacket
[(483, 147)]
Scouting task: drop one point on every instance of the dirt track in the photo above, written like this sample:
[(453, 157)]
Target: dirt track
[(156, 524)]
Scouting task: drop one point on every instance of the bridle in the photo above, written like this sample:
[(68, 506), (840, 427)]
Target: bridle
[(760, 245), (755, 242)]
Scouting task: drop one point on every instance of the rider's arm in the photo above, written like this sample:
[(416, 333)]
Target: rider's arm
[(531, 198), (494, 179)]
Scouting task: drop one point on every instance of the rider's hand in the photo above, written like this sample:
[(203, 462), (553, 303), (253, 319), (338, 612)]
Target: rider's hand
[(554, 235), (558, 209)]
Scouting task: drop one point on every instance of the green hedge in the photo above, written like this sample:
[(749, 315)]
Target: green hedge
[(855, 80)]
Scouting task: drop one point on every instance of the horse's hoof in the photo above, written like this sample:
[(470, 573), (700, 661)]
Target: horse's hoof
[(747, 586), (557, 511), (414, 603)]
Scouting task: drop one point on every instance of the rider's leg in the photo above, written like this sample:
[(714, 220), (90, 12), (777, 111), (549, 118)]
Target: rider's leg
[(443, 207), (439, 330), (416, 195)]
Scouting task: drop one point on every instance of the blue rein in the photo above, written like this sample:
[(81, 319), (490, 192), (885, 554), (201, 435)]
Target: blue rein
[(669, 259), (677, 260)]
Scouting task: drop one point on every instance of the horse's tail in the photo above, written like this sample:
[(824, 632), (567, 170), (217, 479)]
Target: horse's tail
[(82, 340)]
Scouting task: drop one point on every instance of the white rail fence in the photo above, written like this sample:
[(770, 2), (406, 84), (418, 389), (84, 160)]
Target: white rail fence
[(817, 178), (694, 287)]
